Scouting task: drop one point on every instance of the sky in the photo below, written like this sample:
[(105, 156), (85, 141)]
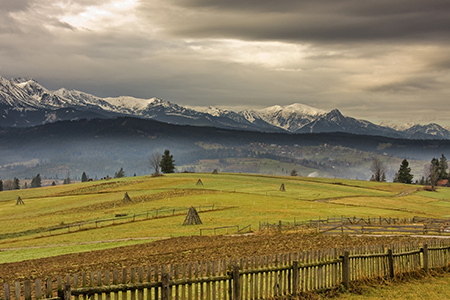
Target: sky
[(379, 60)]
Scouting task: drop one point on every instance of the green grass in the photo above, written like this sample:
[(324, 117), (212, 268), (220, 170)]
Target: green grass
[(414, 289), (248, 199)]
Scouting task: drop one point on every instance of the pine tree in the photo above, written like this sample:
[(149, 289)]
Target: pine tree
[(36, 181), (16, 184), (119, 174), (84, 177), (167, 163), (422, 181), (433, 176), (1, 185), (67, 179), (442, 167), (404, 173)]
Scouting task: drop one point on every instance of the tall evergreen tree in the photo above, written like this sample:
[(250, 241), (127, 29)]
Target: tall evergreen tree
[(433, 172), (1, 185), (84, 177), (16, 184), (442, 167), (167, 163), (404, 173), (120, 174), (36, 181), (67, 179)]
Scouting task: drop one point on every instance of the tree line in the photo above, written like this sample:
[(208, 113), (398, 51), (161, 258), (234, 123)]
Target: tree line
[(436, 171), (164, 162)]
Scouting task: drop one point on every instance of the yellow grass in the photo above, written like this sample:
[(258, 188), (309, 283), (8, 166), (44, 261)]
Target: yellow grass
[(245, 199)]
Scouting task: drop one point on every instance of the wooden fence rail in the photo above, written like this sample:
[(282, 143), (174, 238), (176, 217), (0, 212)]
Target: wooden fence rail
[(356, 224), (151, 214), (422, 229), (246, 278)]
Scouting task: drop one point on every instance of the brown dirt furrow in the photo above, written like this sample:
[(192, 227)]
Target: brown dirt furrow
[(181, 250)]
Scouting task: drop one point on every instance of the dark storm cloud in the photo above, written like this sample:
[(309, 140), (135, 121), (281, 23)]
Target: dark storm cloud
[(312, 21)]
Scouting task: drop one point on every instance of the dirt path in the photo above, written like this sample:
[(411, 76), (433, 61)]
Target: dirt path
[(181, 250)]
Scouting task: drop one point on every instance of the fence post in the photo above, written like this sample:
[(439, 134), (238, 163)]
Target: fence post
[(425, 257), (391, 263), (295, 277), (65, 293), (236, 283), (27, 290), (346, 269), (165, 290), (7, 292)]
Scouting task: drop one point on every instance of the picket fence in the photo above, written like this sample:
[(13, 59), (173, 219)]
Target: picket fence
[(246, 278)]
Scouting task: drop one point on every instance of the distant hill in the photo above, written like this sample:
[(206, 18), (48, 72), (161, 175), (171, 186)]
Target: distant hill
[(102, 146)]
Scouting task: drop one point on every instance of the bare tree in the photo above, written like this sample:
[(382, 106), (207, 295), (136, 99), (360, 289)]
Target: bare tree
[(433, 174), (378, 170), (153, 162)]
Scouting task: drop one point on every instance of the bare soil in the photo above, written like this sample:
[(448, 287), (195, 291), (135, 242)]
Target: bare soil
[(181, 250)]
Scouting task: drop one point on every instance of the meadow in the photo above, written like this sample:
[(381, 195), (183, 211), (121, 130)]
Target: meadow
[(238, 199)]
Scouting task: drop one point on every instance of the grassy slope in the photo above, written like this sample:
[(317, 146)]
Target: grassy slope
[(414, 289), (249, 199)]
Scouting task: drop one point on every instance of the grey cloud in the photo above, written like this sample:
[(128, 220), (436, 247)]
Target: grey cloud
[(350, 48), (14, 5), (310, 21), (411, 85)]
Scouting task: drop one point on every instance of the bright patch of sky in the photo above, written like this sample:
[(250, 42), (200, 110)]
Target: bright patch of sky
[(100, 17)]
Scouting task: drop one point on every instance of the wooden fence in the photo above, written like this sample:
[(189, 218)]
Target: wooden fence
[(247, 278), (225, 229), (418, 229), (124, 218), (347, 225)]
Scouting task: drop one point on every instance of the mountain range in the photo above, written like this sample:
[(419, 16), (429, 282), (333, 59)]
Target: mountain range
[(24, 102)]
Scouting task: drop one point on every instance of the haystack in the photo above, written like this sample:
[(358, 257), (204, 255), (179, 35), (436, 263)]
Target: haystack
[(19, 201), (215, 171), (192, 217), (126, 198), (199, 182), (282, 188)]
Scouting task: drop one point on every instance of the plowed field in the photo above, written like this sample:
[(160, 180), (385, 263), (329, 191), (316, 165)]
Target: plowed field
[(180, 250)]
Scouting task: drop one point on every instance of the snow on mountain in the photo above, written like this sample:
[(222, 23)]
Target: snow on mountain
[(296, 108), (24, 102), (290, 117), (129, 102), (432, 130), (213, 111)]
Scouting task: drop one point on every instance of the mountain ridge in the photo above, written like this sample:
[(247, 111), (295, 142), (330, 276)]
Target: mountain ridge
[(24, 102)]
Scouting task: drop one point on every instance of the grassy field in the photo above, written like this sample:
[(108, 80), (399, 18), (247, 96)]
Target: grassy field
[(414, 289), (243, 200)]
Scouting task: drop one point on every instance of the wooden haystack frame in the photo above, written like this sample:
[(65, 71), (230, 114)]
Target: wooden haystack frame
[(19, 201), (199, 182), (282, 188), (192, 217), (126, 198), (215, 171)]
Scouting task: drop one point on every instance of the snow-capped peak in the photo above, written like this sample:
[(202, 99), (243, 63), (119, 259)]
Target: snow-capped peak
[(296, 108), (130, 102), (213, 111)]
